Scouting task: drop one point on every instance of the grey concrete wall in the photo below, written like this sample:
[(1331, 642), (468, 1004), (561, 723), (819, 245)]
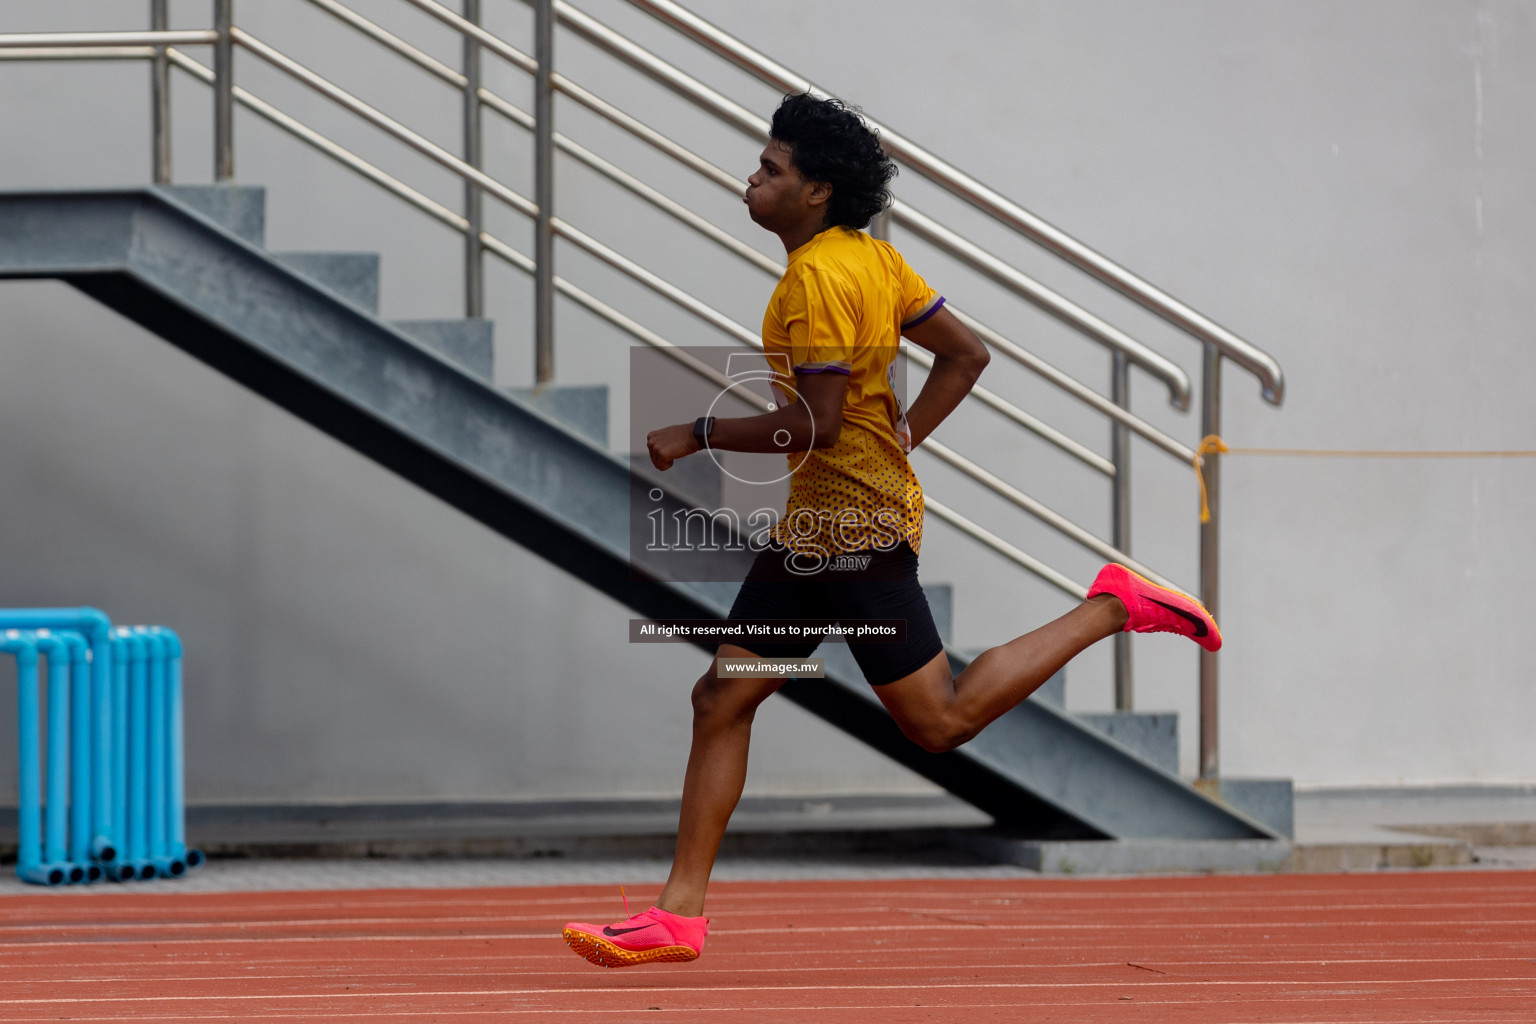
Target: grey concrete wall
[(1340, 182)]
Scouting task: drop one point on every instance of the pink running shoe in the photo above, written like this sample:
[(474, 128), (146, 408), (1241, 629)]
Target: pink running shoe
[(652, 937), (1155, 609)]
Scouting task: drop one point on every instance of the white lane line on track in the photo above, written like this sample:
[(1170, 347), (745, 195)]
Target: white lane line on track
[(756, 1011), (547, 935), (1310, 984), (300, 924)]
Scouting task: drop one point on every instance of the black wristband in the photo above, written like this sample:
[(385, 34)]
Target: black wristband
[(701, 430)]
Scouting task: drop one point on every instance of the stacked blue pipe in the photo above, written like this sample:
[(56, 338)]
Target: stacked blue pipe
[(114, 803)]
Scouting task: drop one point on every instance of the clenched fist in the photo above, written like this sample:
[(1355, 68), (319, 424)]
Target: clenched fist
[(669, 444)]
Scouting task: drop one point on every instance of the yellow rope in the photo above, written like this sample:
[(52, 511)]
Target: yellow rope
[(1345, 453), (1210, 444), (1214, 445)]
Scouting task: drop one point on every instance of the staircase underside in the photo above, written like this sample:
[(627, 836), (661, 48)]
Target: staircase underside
[(162, 264)]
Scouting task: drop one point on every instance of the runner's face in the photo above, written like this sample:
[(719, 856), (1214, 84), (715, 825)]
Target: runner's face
[(778, 196)]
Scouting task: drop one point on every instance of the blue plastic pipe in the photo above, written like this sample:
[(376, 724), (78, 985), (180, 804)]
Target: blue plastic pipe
[(55, 810), (29, 825), (136, 824), (119, 870), (80, 777), (114, 751), (158, 783), (117, 769), (104, 839), (69, 718), (177, 804), (30, 866), (97, 629), (154, 658)]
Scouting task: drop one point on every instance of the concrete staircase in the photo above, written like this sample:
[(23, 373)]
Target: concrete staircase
[(418, 397)]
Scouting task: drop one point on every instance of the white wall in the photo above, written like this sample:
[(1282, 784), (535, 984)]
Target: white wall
[(1339, 182)]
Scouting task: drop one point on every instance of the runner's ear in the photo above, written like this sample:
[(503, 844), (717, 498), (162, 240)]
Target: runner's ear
[(820, 193)]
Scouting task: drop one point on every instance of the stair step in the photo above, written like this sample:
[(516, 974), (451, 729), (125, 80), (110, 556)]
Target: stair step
[(1152, 734), (582, 407), (469, 343), (1129, 857), (1270, 802), (239, 209), (353, 276)]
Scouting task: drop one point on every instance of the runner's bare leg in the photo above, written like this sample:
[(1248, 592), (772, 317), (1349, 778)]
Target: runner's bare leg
[(723, 710), (939, 711)]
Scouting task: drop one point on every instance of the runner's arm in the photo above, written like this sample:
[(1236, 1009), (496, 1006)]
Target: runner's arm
[(815, 421), (959, 358)]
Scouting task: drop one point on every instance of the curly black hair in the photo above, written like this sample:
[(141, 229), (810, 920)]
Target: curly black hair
[(830, 142)]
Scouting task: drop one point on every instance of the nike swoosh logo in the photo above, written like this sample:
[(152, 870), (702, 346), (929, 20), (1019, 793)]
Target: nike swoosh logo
[(623, 931), (1194, 620)]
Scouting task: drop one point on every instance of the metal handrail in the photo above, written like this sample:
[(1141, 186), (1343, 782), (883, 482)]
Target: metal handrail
[(159, 46), (771, 266), (656, 283), (1072, 386), (752, 255), (757, 258), (705, 312), (373, 115), (453, 220), (957, 182), (756, 127), (702, 310), (650, 136), (308, 135), (1218, 342), (711, 316), (750, 338), (608, 255), (566, 145), (77, 53), (1039, 510), (988, 397), (1013, 553), (489, 40), (70, 40), (382, 35), (767, 264), (728, 181), (1050, 302)]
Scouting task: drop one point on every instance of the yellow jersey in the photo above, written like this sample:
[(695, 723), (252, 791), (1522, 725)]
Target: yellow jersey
[(841, 307)]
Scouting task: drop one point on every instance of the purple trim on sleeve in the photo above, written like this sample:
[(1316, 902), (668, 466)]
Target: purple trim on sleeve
[(846, 371), (925, 314)]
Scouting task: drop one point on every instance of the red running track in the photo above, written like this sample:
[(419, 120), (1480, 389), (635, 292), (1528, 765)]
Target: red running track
[(1400, 948)]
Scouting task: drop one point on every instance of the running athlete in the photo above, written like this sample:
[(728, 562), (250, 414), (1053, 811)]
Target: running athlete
[(838, 314)]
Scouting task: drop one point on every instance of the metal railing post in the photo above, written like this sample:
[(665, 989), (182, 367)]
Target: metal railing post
[(160, 98), (1210, 563), (880, 225), (223, 91), (474, 199), (1120, 513), (544, 192)]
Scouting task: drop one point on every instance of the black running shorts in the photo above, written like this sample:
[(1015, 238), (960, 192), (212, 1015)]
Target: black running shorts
[(884, 588)]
